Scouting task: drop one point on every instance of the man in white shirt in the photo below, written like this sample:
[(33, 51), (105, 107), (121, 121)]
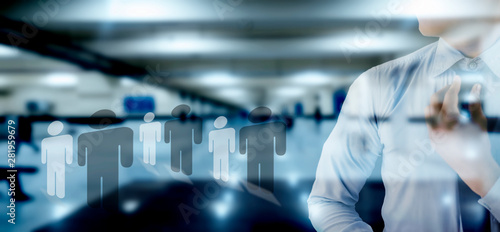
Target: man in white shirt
[(421, 162)]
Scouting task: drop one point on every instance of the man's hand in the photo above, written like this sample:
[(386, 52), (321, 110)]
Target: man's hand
[(465, 146)]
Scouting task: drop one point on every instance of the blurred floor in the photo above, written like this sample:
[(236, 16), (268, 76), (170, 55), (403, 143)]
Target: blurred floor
[(294, 174), (152, 196)]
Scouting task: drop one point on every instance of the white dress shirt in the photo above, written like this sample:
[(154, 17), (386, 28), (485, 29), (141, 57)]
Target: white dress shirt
[(381, 118)]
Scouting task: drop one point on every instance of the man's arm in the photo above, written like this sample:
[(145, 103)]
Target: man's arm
[(348, 158), (476, 167), (491, 200)]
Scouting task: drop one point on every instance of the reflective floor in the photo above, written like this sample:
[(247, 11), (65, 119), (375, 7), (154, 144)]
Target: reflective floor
[(154, 198), (144, 186)]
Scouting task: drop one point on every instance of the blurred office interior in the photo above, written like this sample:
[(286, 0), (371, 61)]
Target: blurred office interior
[(65, 60)]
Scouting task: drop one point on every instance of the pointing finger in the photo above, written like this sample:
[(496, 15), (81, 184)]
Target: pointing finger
[(450, 112)]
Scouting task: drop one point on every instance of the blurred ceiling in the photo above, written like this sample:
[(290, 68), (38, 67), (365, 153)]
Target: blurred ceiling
[(260, 49)]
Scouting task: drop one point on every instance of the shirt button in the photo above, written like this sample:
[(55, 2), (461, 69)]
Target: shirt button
[(472, 65)]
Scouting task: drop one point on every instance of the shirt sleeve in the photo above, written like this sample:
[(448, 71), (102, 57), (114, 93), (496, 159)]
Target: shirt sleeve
[(492, 200), (347, 160)]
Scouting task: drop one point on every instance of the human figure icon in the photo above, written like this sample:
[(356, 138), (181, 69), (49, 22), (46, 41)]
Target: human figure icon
[(181, 133), (259, 142), (221, 142), (150, 134), (56, 152), (102, 150)]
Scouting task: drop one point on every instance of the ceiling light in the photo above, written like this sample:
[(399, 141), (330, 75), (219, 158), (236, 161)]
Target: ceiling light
[(61, 80)]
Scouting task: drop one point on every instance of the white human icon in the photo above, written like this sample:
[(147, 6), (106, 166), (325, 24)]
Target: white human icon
[(221, 142), (150, 134), (55, 151)]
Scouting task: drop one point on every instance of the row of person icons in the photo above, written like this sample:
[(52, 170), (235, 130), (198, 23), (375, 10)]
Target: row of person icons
[(101, 150)]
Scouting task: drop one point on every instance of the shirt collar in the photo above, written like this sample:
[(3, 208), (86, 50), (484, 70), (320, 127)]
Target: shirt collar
[(446, 56), (491, 56)]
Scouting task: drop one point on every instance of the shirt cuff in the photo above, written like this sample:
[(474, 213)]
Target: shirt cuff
[(492, 200)]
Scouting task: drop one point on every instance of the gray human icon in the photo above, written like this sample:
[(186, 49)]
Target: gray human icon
[(56, 151), (221, 142), (260, 142), (102, 150), (180, 133), (150, 134)]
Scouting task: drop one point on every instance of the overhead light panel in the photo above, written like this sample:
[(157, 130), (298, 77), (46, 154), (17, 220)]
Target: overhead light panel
[(61, 80), (218, 79), (311, 78), (291, 91), (8, 51)]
